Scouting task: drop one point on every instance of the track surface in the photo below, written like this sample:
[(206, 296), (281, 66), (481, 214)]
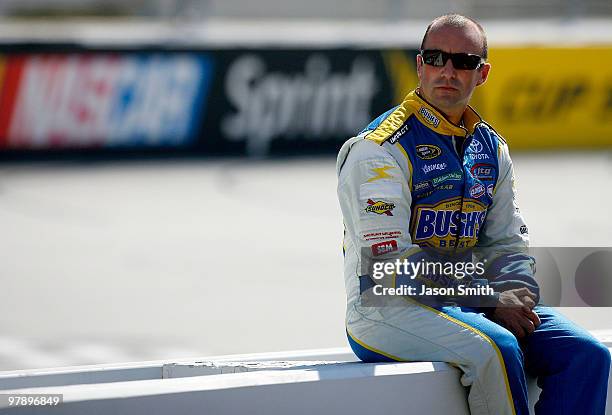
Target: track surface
[(110, 262)]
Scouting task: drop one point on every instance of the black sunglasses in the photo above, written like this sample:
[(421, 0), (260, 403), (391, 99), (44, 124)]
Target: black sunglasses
[(460, 60)]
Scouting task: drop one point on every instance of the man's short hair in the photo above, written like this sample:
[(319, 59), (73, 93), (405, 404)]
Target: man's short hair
[(458, 21)]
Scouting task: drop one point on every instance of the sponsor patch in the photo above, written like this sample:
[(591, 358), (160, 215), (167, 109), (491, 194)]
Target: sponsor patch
[(427, 151), (385, 247), (421, 186), (380, 207), (477, 190), (475, 146), (399, 133), (432, 167), (481, 156), (474, 151), (454, 175), (424, 195), (380, 190), (490, 190), (448, 223), (431, 192), (483, 171), (373, 236), (524, 230), (380, 173), (429, 116)]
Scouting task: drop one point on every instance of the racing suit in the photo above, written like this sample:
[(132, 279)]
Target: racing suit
[(412, 182)]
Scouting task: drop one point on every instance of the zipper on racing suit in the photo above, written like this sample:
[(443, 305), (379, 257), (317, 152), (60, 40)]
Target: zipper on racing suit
[(461, 158)]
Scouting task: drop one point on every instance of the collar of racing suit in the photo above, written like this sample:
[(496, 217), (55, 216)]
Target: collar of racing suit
[(428, 115), (439, 123)]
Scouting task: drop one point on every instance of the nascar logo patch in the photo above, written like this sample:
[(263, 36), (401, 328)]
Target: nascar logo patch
[(427, 151)]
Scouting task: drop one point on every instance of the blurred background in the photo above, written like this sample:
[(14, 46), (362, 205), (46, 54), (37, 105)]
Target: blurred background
[(167, 167)]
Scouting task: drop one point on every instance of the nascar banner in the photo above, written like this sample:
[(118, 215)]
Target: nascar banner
[(261, 102), (101, 99)]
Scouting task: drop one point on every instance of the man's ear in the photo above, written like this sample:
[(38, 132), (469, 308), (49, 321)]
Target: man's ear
[(484, 73)]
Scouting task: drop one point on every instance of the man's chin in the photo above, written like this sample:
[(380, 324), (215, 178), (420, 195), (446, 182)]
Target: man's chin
[(447, 95), (445, 101)]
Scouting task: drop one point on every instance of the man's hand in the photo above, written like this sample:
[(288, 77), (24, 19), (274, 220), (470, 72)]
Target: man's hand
[(515, 312)]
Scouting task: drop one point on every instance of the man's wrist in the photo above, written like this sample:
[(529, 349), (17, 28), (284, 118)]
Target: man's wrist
[(490, 303)]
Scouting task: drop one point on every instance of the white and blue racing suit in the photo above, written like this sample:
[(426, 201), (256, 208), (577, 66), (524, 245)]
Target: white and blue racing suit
[(413, 181)]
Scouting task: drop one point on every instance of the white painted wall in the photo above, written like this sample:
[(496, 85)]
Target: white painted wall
[(306, 382)]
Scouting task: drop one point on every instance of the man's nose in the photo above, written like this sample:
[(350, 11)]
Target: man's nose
[(448, 70)]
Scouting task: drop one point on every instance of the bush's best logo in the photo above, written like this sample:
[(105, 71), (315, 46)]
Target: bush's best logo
[(380, 207), (427, 151), (385, 247), (429, 116), (483, 171), (448, 224), (477, 190), (436, 166), (454, 175)]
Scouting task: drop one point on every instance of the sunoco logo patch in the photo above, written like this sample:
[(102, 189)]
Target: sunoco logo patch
[(380, 207), (427, 151), (429, 116)]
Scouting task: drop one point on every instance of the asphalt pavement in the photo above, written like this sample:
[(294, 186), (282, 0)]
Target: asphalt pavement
[(124, 261)]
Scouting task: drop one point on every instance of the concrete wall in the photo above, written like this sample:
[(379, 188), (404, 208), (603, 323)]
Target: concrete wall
[(317, 381)]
